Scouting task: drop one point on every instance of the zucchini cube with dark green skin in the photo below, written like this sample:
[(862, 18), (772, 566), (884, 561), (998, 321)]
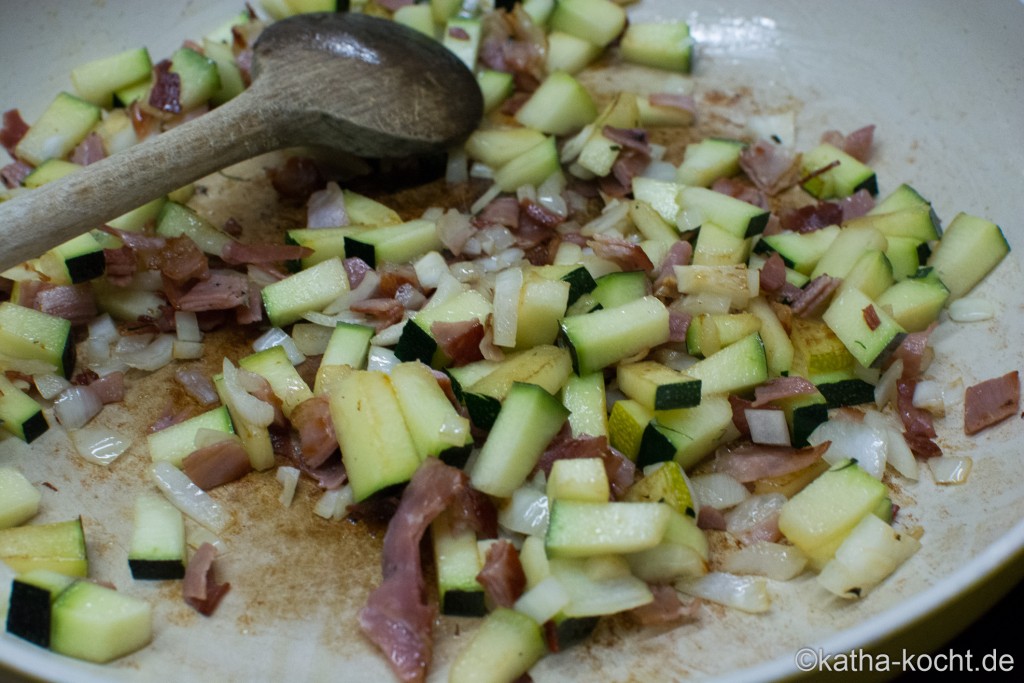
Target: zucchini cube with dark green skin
[(20, 414), (158, 541), (33, 335), (32, 596)]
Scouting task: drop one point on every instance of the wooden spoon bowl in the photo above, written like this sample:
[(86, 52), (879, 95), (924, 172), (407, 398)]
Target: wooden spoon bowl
[(352, 82)]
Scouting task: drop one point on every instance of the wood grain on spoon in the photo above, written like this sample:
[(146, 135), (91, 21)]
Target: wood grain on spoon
[(352, 82)]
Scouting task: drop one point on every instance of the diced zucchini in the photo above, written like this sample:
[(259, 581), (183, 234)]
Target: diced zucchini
[(48, 171), (545, 366), (349, 345), (308, 290), (231, 82), (737, 368), (99, 624), (870, 553), (569, 53), (558, 107), (846, 249), (665, 45), (848, 316), (57, 546), (529, 418), (33, 335), (717, 246), (504, 648), (917, 222), (658, 387), (157, 549), (686, 435), (81, 257), (842, 179), (496, 147), (97, 80), (598, 153), (626, 425), (495, 86), (915, 302), (970, 248), (799, 250), (817, 351), (19, 499), (599, 21), (532, 167), (586, 529), (177, 219), (417, 342), (462, 37), (607, 336), (20, 414), (419, 17), (58, 130), (200, 78), (620, 287), (376, 446), (457, 561), (32, 596), (666, 484), (804, 412), (872, 272), (436, 427), (738, 217), (584, 479), (820, 516), (709, 159), (173, 444), (596, 586), (587, 403), (682, 552), (542, 304), (393, 243), (709, 332), (274, 366)]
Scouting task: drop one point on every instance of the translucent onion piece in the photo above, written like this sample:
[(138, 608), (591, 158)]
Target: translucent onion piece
[(971, 310), (187, 350), (98, 444), (614, 218), (194, 502), (526, 512), (457, 168), (76, 406), (248, 407), (852, 439), (719, 490), (776, 561), (50, 384), (275, 336), (102, 328), (543, 601), (289, 478), (507, 287), (549, 195), (885, 390), (186, 326), (429, 269), (195, 536), (333, 504), (381, 359), (754, 512), (153, 356), (951, 469), (897, 451), (746, 593), (767, 427)]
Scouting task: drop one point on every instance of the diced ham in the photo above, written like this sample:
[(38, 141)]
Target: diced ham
[(75, 303), (512, 43), (219, 463), (198, 385), (678, 325), (770, 167), (110, 387), (121, 265), (678, 101), (679, 254), (502, 576), (918, 425), (165, 94), (815, 296), (502, 210), (627, 255), (200, 587), (711, 519), (812, 217), (89, 151), (397, 617), (748, 462), (13, 175), (238, 253), (871, 318), (666, 608), (857, 144), (296, 180), (182, 260), (224, 290), (991, 401), (394, 5), (386, 312), (915, 352), (356, 269), (454, 229), (857, 204), (460, 341), (741, 189), (773, 274), (12, 130), (781, 387), (311, 419)]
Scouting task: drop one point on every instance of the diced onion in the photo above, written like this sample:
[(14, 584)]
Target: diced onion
[(526, 512), (381, 359), (245, 405), (885, 390), (50, 384), (950, 469), (102, 328), (614, 218), (275, 336), (507, 287), (767, 426), (153, 356), (99, 445), (971, 310), (486, 198), (897, 451), (75, 406), (719, 490), (753, 512), (775, 561), (429, 269), (543, 601), (311, 339), (189, 498), (289, 478), (852, 439), (333, 504), (457, 168), (367, 288), (746, 593), (186, 326), (187, 350), (198, 535), (660, 170), (549, 195), (390, 335)]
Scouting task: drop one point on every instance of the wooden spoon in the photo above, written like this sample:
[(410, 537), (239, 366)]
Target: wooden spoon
[(352, 82)]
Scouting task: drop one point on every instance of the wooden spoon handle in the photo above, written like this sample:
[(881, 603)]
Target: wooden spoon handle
[(45, 217)]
